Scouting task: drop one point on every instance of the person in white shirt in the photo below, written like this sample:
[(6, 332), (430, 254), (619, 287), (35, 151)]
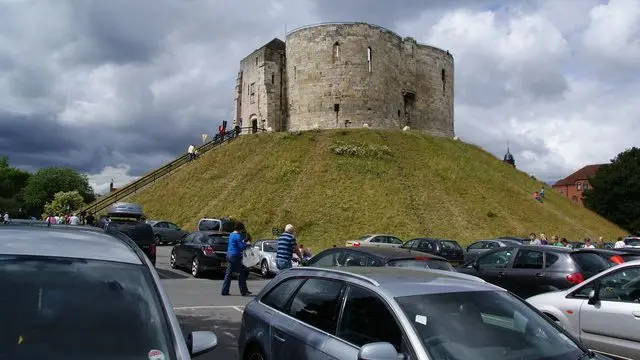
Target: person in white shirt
[(74, 220), (533, 239), (191, 151), (620, 243), (5, 218), (588, 244)]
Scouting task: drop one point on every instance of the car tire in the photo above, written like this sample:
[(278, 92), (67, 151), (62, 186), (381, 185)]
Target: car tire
[(254, 353), (264, 268), (172, 260), (157, 240), (195, 267)]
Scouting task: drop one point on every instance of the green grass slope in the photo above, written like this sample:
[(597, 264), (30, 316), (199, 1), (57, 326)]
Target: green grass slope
[(335, 185)]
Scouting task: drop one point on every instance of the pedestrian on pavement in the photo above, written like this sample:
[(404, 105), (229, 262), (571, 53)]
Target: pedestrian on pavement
[(286, 247), (235, 250)]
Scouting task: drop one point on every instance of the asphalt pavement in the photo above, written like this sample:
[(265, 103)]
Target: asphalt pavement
[(199, 305)]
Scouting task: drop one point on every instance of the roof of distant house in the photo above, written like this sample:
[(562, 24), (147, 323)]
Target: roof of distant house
[(583, 174)]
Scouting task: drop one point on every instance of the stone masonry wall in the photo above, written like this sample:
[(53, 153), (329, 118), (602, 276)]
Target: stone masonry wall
[(396, 83)]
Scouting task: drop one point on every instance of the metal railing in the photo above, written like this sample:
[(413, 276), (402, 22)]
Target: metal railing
[(129, 189)]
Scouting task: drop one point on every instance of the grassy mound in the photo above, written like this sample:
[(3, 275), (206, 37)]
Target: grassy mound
[(335, 185)]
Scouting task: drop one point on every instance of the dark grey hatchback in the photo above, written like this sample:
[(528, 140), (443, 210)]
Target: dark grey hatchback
[(379, 256)]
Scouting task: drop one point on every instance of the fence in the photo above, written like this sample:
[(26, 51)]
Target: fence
[(159, 173)]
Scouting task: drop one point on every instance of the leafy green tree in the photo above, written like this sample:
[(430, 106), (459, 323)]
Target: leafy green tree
[(615, 191), (64, 202), (12, 182), (45, 183)]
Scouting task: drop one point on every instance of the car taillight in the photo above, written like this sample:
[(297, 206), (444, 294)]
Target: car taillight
[(617, 259), (357, 243), (422, 258), (152, 249), (575, 278), (207, 250)]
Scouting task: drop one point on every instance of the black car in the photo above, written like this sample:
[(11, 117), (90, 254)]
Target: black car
[(201, 251), (530, 270), (141, 233), (378, 256), (521, 240), (613, 256), (481, 246), (448, 249)]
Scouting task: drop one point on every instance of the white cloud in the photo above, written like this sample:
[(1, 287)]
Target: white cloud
[(118, 174)]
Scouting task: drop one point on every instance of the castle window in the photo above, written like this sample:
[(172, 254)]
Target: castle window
[(369, 57), (444, 80), (336, 52), (252, 93), (273, 78), (256, 61), (295, 72)]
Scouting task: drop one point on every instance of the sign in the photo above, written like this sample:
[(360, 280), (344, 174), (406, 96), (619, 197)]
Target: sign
[(204, 137)]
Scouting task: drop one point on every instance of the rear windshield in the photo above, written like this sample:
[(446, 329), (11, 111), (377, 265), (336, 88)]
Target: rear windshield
[(139, 232), (422, 264), (590, 263), (49, 310), (269, 247), (450, 245), (216, 240), (209, 225)]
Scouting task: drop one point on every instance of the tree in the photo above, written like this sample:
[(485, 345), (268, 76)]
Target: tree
[(64, 202), (12, 182), (45, 183), (615, 191)]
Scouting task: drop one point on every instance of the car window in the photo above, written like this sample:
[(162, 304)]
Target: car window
[(317, 303), (172, 226), (162, 225), (590, 263), (477, 245), (409, 244), (228, 226), (622, 285), (366, 319), (279, 296), (528, 259), (394, 240), (376, 239), (214, 240), (49, 310), (353, 258), (425, 246), (495, 260), (327, 258), (422, 264), (449, 245), (269, 247), (491, 245), (496, 325), (375, 261), (550, 259), (209, 225), (189, 239)]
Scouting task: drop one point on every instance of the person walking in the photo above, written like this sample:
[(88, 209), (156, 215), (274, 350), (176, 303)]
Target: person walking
[(286, 247), (235, 250), (190, 151)]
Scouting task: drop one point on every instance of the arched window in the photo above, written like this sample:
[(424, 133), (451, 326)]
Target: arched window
[(336, 52), (369, 57)]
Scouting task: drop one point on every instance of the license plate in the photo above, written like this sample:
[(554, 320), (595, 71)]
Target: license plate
[(223, 264)]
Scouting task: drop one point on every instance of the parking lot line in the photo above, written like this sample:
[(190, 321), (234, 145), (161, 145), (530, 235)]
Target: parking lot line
[(236, 307)]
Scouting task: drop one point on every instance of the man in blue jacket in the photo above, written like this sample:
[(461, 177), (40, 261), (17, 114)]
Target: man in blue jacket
[(235, 251)]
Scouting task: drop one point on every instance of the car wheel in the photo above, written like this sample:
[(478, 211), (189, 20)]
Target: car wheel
[(195, 267), (157, 239), (172, 260), (254, 353), (264, 268)]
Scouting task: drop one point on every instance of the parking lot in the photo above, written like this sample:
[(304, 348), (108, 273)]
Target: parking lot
[(199, 306)]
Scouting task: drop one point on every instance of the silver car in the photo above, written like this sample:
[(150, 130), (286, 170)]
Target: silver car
[(603, 312), (72, 292), (379, 240), (386, 313), (262, 256)]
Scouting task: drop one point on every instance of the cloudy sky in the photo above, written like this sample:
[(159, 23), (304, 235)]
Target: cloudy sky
[(116, 88)]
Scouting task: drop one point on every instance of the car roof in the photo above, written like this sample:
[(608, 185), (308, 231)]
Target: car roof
[(389, 253), (73, 241), (397, 281), (431, 239), (212, 232)]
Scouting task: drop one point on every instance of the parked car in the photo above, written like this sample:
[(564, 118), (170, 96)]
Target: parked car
[(223, 224), (378, 240), (602, 312), (392, 313), (632, 241), (263, 254), (370, 256), (481, 246), (521, 240), (614, 257), (532, 270), (448, 249), (200, 252), (127, 218), (165, 232), (76, 292)]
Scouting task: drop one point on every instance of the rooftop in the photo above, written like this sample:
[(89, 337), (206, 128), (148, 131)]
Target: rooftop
[(583, 174), (38, 239), (389, 252)]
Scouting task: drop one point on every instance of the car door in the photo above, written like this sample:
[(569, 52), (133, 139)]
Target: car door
[(331, 257), (366, 318), (160, 229), (376, 241), (611, 323), (393, 241), (426, 246), (410, 244), (178, 249), (174, 233), (313, 312), (526, 276), (491, 266)]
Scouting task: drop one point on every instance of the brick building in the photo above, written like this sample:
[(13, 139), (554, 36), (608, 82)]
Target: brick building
[(575, 184), (342, 75)]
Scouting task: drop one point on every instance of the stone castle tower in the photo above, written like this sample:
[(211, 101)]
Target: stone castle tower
[(345, 75)]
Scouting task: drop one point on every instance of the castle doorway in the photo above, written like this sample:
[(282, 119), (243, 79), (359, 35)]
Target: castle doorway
[(409, 99), (254, 126)]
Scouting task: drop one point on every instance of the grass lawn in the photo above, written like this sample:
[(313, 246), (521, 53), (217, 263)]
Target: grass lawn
[(335, 185)]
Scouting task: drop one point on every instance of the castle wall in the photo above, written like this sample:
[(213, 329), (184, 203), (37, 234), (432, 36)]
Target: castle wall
[(348, 75)]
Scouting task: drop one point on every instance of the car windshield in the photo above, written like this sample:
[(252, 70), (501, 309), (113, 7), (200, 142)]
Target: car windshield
[(632, 242), (216, 240), (496, 326), (61, 308), (269, 247), (422, 264), (449, 245)]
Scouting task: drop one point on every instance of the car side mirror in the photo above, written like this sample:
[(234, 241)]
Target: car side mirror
[(379, 351), (201, 342), (593, 297)]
